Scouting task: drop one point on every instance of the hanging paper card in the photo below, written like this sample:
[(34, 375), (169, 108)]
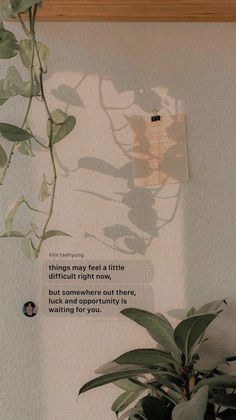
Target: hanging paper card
[(160, 155)]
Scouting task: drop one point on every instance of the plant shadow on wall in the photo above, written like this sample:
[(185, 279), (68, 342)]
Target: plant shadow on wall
[(127, 127), (58, 124), (170, 381)]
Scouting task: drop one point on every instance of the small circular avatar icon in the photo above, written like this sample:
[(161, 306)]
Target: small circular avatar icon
[(30, 309)]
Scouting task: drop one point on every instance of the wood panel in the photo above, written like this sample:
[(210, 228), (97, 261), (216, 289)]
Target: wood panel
[(139, 10)]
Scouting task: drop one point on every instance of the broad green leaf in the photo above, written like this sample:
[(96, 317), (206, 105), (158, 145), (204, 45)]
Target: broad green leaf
[(64, 125), (44, 192), (7, 90), (11, 214), (113, 377), (189, 331), (51, 233), (159, 330), (8, 44), (194, 409), (130, 386), (27, 248), (145, 357), (228, 414), (221, 381), (3, 157), (124, 400), (164, 319), (228, 400), (112, 367), (14, 77), (16, 85), (211, 306), (25, 148), (26, 51), (169, 379), (13, 234), (161, 372), (12, 133)]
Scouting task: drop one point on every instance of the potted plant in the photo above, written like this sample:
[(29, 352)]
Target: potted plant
[(168, 381)]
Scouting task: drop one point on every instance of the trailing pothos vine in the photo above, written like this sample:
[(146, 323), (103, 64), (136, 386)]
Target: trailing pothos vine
[(33, 55)]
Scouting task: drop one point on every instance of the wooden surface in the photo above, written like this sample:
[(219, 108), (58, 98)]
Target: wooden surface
[(140, 10)]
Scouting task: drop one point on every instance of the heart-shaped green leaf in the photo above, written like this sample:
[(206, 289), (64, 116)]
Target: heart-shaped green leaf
[(8, 44), (26, 50), (25, 148), (16, 85), (62, 126)]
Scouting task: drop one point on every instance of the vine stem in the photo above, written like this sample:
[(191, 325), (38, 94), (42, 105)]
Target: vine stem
[(50, 143)]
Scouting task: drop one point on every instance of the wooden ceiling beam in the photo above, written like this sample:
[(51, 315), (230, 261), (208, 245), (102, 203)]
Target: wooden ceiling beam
[(139, 10)]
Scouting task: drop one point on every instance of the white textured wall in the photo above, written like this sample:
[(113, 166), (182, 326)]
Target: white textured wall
[(192, 66)]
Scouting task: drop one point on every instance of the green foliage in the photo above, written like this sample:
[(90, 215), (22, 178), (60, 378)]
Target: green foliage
[(26, 50), (168, 383), (12, 213), (12, 133), (3, 157), (28, 249), (8, 44), (33, 55), (9, 8), (44, 190), (193, 409), (62, 125), (50, 233), (189, 331), (13, 85), (151, 356), (158, 327)]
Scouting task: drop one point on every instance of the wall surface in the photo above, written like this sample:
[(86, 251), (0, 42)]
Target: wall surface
[(131, 69)]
